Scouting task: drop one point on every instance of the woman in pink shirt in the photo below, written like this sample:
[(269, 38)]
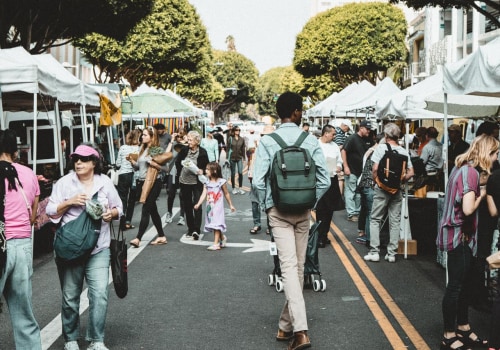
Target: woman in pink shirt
[(19, 193)]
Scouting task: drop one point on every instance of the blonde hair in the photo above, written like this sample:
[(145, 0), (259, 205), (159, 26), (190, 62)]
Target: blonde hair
[(479, 153), (154, 139)]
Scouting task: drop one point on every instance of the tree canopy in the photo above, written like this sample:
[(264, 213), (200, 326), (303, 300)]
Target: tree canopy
[(465, 4), (39, 24), (350, 43), (273, 83), (167, 48), (238, 77)]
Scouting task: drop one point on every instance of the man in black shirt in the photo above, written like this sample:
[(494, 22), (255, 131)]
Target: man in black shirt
[(352, 156)]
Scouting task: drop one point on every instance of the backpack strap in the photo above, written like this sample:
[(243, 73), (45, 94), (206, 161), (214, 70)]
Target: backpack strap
[(301, 139), (278, 140)]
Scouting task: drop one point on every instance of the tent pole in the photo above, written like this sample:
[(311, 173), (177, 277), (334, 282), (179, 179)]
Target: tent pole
[(445, 140), (58, 138), (35, 131), (406, 218), (2, 120)]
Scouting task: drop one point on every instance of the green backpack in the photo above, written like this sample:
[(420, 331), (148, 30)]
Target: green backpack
[(293, 176)]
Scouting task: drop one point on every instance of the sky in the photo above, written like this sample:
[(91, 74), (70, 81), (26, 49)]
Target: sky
[(264, 30)]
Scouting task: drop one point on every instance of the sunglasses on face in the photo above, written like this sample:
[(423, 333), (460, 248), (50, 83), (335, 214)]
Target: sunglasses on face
[(78, 157)]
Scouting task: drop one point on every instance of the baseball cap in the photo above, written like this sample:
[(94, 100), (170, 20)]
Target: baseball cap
[(455, 127), (365, 123), (84, 150)]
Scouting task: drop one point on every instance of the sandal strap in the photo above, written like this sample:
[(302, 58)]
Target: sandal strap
[(467, 340), (447, 342)]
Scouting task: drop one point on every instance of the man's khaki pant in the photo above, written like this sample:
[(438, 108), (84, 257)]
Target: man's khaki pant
[(291, 232)]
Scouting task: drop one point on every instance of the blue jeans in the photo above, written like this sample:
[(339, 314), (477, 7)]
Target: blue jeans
[(352, 199), (256, 213), (15, 285), (456, 298), (96, 272), (234, 164), (366, 207)]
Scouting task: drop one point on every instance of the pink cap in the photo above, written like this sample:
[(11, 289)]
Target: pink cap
[(84, 150)]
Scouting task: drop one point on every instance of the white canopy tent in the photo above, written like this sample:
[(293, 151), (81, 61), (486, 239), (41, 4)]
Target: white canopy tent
[(471, 88), (358, 94), (386, 88)]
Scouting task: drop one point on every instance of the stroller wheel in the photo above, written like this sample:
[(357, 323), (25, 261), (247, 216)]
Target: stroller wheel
[(323, 285), (317, 285), (279, 286), (270, 280)]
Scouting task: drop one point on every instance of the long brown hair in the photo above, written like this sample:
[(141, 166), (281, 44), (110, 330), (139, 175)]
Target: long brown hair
[(479, 153), (154, 139)]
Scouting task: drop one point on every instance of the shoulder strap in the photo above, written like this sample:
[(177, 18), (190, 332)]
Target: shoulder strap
[(301, 139), (278, 140), (282, 143), (389, 147)]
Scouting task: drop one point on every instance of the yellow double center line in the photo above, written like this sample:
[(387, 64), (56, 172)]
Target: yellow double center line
[(383, 321)]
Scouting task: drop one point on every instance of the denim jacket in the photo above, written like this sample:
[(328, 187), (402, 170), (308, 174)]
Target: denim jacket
[(289, 132)]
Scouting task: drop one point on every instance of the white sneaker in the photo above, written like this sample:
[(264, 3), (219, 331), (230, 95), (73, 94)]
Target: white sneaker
[(223, 242), (372, 256), (235, 191), (181, 221), (242, 192), (390, 258), (98, 345), (213, 247), (169, 218), (71, 345)]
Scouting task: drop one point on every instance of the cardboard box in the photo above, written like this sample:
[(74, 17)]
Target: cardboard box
[(411, 247)]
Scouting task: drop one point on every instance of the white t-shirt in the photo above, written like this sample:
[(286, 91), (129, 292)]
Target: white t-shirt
[(332, 155), (380, 151), (251, 140)]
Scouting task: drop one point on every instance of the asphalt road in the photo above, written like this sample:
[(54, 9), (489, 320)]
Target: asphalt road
[(182, 296)]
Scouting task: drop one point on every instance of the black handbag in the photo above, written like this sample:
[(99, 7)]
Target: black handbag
[(118, 247), (74, 241)]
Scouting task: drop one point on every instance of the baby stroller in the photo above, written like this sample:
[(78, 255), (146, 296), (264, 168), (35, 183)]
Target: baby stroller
[(312, 273)]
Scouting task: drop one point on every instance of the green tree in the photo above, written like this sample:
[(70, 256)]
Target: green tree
[(40, 24), (349, 43), (239, 78), (168, 48), (464, 4), (273, 83)]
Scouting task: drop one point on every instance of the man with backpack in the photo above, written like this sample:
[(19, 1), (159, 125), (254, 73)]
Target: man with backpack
[(290, 222), (391, 168)]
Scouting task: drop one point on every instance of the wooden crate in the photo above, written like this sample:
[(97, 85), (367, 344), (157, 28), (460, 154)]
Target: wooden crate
[(412, 247)]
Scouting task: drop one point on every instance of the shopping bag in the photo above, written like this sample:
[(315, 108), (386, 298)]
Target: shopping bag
[(118, 247)]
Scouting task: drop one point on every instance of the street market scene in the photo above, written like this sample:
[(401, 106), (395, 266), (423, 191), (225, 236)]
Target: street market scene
[(286, 174)]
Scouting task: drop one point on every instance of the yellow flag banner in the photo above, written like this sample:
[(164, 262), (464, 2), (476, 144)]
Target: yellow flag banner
[(110, 114)]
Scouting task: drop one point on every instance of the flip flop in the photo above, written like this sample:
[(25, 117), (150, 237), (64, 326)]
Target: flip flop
[(159, 242), (129, 226), (255, 229), (135, 243)]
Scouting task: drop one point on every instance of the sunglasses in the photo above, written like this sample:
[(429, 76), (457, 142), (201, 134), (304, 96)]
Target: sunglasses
[(85, 159)]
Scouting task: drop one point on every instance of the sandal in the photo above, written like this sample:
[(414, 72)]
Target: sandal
[(135, 243), (255, 229), (446, 344), (465, 337), (159, 241), (129, 226)]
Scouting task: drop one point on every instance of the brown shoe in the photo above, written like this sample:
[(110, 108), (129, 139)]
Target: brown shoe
[(300, 341), (284, 336)]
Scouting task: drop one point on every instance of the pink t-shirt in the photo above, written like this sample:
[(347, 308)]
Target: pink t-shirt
[(17, 217)]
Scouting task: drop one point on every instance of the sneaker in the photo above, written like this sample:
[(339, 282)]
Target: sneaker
[(196, 236), (213, 247), (181, 221), (71, 345), (361, 240), (189, 235), (98, 345), (169, 218), (235, 191), (372, 256), (241, 191), (390, 258), (353, 218), (223, 242)]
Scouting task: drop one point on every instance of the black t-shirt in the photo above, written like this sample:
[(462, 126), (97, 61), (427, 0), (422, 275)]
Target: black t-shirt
[(355, 147), (493, 187)]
